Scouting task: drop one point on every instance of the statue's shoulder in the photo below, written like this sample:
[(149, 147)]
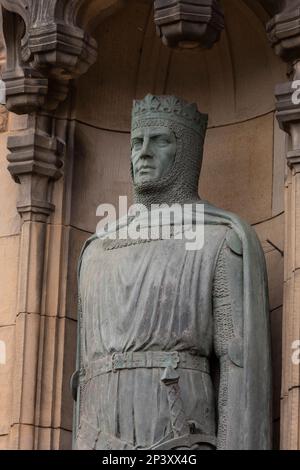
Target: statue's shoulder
[(84, 248), (87, 243), (239, 233), (234, 242)]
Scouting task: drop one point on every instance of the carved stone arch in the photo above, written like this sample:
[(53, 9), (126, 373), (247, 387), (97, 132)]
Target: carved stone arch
[(93, 12)]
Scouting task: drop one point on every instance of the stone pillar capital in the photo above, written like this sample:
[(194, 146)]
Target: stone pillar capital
[(288, 116), (287, 110), (284, 31), (284, 35), (47, 47), (186, 24)]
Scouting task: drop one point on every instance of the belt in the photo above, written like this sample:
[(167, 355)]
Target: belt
[(144, 360)]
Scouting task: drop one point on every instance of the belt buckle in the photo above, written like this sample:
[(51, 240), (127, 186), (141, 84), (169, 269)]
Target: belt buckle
[(117, 362), (173, 359)]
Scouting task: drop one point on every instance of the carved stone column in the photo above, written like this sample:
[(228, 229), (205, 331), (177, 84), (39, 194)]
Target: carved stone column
[(46, 48), (284, 34)]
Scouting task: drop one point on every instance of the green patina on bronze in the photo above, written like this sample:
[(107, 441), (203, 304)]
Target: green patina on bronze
[(173, 345)]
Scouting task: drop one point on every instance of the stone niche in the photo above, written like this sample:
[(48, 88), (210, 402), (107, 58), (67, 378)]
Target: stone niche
[(243, 167)]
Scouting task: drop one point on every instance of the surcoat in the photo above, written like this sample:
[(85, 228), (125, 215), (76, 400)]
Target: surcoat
[(141, 300)]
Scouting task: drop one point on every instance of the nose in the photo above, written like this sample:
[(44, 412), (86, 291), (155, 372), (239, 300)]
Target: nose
[(146, 151)]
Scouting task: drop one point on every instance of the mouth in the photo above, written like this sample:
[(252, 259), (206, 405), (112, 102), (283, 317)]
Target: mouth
[(145, 169)]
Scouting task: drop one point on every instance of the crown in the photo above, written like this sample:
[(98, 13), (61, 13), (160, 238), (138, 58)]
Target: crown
[(169, 108)]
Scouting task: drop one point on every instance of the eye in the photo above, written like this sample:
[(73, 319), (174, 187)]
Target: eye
[(136, 144), (162, 141)]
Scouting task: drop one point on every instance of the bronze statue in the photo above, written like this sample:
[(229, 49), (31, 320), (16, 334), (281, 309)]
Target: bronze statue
[(173, 344)]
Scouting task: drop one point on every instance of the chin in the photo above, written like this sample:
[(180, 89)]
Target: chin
[(146, 179)]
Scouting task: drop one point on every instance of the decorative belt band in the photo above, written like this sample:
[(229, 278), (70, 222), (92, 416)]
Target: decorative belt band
[(145, 360)]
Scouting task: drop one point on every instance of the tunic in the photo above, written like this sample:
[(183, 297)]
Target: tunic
[(153, 296)]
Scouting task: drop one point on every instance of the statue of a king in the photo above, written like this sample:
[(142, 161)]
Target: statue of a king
[(173, 343)]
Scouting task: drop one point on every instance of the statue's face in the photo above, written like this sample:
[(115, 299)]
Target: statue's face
[(153, 153)]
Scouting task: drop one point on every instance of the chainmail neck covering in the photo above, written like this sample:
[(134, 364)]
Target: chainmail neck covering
[(180, 184)]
